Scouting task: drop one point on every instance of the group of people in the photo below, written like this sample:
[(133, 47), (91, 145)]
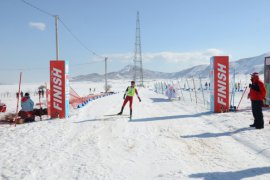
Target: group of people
[(18, 96), (90, 90), (257, 96), (27, 103), (237, 86), (207, 85)]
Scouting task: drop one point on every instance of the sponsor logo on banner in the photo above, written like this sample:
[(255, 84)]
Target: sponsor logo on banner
[(221, 83), (67, 88), (212, 95), (48, 101), (58, 89), (219, 79)]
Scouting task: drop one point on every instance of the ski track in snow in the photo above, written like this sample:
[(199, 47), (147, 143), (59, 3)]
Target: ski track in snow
[(165, 140)]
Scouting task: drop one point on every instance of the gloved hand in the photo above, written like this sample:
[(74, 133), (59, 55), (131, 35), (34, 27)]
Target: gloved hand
[(139, 99), (254, 87), (124, 96), (249, 85)]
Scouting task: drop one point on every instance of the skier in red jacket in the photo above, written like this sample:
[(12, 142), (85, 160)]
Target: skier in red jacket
[(257, 95), (128, 97)]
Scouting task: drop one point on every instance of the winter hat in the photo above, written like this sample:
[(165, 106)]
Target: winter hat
[(255, 74), (26, 94)]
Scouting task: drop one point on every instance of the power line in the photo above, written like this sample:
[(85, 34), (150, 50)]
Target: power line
[(77, 39), (22, 69), (37, 8), (65, 26), (82, 64), (46, 68)]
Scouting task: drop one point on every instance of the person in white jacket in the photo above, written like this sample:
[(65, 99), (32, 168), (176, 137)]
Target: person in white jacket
[(170, 93)]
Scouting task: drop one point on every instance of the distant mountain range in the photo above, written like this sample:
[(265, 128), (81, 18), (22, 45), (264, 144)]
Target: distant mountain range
[(242, 66), (125, 73)]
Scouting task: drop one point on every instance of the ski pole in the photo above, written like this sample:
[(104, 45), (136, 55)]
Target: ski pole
[(202, 90), (189, 90), (40, 107), (19, 92), (241, 98), (194, 89), (180, 89)]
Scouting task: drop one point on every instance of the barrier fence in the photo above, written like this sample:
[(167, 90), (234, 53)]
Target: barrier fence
[(197, 90)]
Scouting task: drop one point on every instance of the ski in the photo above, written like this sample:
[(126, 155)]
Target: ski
[(116, 115)]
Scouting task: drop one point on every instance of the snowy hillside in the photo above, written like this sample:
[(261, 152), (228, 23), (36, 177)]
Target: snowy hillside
[(125, 73), (242, 66), (166, 140), (197, 71), (248, 65)]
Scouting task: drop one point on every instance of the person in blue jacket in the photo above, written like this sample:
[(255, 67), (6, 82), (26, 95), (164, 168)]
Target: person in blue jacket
[(27, 111)]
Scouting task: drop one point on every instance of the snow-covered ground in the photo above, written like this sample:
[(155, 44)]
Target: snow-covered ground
[(165, 140)]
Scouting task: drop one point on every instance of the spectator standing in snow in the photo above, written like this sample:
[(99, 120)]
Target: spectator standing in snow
[(257, 95), (170, 92), (128, 97), (39, 92), (206, 85), (236, 87), (42, 92)]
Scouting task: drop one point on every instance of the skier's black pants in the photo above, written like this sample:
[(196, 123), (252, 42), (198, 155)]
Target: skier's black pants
[(257, 113)]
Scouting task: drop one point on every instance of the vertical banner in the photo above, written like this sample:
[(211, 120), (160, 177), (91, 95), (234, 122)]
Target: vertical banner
[(48, 101), (67, 88), (219, 75), (267, 79), (211, 88), (59, 91)]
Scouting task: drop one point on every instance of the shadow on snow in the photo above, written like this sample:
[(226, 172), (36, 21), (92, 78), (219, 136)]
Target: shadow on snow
[(237, 175), (211, 135), (95, 119), (171, 117), (160, 100)]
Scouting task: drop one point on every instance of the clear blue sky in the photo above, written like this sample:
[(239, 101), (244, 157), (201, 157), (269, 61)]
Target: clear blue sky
[(175, 34)]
